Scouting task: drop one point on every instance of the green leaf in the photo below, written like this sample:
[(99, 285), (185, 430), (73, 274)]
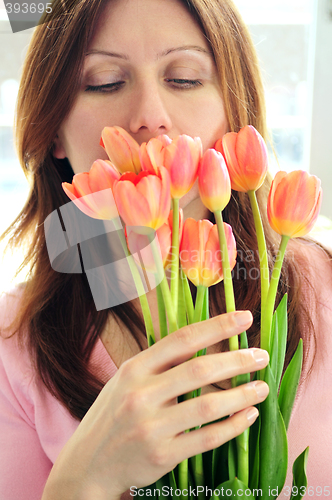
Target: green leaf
[(161, 313), (274, 346), (289, 384), (235, 486), (300, 481), (254, 436), (187, 297), (281, 313), (273, 441), (151, 341), (220, 464)]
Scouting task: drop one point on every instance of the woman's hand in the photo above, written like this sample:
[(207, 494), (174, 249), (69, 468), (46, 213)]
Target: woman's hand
[(134, 432)]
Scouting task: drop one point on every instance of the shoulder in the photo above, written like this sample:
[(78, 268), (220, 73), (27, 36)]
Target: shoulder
[(10, 302)]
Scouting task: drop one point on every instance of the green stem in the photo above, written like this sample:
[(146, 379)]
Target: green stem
[(138, 283), (228, 283), (271, 297), (187, 297), (183, 476), (197, 464), (161, 313), (199, 303), (175, 255), (182, 315), (172, 322), (263, 260), (242, 441)]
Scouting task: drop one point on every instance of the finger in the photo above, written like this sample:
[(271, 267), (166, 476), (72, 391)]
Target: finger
[(212, 436), (213, 406), (184, 343), (206, 370)]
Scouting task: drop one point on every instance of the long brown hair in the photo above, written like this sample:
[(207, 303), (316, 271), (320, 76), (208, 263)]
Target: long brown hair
[(57, 310)]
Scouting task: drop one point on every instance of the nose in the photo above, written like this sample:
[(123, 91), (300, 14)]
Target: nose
[(149, 114)]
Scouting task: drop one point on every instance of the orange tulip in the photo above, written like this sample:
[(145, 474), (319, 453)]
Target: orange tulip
[(152, 154), (180, 157), (92, 191), (246, 158), (213, 181), (294, 202), (200, 254), (144, 199), (121, 148)]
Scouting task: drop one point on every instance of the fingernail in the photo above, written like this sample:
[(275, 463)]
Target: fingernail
[(252, 414), (261, 388), (243, 318), (261, 357)]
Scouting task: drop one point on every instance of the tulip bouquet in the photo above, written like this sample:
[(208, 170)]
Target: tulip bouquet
[(144, 185)]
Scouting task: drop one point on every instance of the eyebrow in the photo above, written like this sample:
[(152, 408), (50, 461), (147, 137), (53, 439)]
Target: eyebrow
[(196, 48)]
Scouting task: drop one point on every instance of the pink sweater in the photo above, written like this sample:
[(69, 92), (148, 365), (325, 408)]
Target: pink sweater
[(34, 426)]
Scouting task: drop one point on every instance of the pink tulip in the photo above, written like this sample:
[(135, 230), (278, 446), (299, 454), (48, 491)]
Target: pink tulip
[(180, 157), (122, 149), (144, 199), (246, 158), (294, 202), (200, 254), (152, 153), (213, 181), (92, 191)]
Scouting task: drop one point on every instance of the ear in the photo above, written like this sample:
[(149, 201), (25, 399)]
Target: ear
[(58, 149)]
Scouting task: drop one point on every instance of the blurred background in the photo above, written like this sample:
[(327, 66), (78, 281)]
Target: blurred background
[(293, 39)]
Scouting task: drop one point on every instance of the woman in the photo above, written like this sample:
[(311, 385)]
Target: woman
[(151, 67)]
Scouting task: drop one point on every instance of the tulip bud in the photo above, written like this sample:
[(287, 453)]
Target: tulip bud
[(213, 181)]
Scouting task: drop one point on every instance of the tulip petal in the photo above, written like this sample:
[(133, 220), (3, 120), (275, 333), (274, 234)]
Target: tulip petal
[(132, 205), (122, 149)]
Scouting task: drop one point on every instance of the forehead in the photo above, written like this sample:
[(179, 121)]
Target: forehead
[(146, 27)]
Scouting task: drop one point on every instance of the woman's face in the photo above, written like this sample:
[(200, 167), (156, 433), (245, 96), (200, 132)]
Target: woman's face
[(150, 70)]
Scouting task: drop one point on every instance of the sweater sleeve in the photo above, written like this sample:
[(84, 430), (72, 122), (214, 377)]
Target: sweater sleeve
[(24, 466), (34, 425)]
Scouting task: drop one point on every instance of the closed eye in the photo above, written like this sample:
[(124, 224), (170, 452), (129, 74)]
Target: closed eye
[(108, 87), (183, 83)]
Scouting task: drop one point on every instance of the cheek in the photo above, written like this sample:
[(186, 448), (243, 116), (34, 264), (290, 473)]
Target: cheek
[(80, 135), (205, 119), (213, 123)]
